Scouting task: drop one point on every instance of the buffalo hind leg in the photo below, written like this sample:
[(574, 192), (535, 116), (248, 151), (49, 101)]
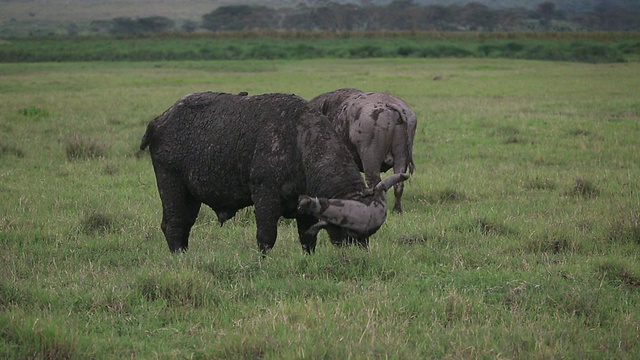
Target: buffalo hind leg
[(399, 167), (176, 230), (179, 212), (398, 189)]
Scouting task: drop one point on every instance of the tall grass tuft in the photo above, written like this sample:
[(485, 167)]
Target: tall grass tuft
[(625, 227), (585, 188), (35, 113), (178, 290), (483, 226), (9, 149), (539, 183), (619, 273), (97, 222), (552, 243), (37, 339), (447, 195), (79, 147), (491, 227)]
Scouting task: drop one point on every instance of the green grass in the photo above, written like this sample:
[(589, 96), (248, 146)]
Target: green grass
[(520, 237), (593, 47)]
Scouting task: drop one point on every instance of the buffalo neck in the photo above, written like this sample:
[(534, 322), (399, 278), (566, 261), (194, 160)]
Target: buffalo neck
[(330, 170)]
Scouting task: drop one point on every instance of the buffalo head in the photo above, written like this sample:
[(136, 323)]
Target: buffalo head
[(351, 221)]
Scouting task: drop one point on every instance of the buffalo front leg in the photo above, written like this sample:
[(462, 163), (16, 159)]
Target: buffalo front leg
[(267, 211), (308, 228), (179, 212)]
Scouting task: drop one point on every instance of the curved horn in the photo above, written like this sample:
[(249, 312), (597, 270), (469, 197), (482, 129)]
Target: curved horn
[(349, 214), (389, 181)]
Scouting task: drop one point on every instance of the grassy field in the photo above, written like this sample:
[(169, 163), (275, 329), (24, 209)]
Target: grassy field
[(520, 237)]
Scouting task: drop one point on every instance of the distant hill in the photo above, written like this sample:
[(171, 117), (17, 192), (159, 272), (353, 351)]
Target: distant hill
[(89, 10)]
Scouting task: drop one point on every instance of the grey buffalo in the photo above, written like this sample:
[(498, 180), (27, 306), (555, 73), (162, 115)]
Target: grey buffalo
[(378, 130), (271, 151)]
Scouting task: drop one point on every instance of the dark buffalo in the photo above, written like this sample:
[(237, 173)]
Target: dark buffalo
[(272, 151)]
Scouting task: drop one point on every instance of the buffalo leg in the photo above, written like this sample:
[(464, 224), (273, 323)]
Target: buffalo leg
[(179, 211), (340, 238), (267, 210), (401, 156), (308, 239), (398, 189), (337, 235)]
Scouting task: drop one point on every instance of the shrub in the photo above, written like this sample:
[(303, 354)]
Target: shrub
[(366, 51), (267, 52), (594, 53), (408, 51), (445, 51)]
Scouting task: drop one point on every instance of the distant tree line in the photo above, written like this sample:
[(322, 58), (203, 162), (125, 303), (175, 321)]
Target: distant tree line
[(398, 15), (125, 25)]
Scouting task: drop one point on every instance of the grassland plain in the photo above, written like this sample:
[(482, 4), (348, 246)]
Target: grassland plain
[(520, 237)]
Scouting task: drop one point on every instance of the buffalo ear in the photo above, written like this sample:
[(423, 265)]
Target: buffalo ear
[(308, 205), (389, 181)]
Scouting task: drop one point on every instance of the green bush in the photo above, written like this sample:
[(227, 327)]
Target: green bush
[(304, 45)]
